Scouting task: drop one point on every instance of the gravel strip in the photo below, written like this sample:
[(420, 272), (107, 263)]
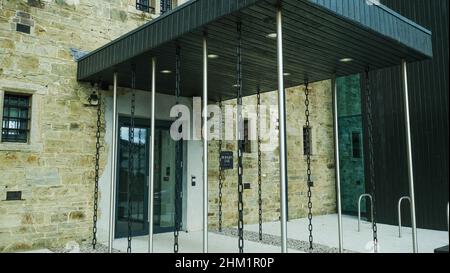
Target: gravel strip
[(85, 247), (275, 240)]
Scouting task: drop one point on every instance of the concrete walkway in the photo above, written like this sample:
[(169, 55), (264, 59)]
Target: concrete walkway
[(192, 243), (325, 233)]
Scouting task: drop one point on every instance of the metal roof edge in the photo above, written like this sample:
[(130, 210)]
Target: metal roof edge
[(403, 18), (385, 36)]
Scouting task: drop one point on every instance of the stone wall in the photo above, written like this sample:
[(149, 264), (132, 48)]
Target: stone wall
[(324, 194), (55, 170)]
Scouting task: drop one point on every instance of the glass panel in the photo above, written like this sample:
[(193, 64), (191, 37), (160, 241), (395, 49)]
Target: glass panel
[(350, 143), (13, 112), (164, 199), (23, 101), (12, 100), (165, 184), (23, 125), (138, 177), (13, 124), (23, 113), (22, 136)]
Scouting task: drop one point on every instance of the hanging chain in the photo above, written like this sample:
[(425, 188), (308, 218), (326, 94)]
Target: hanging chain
[(240, 140), (221, 176), (371, 159), (131, 158), (308, 163), (258, 115), (97, 169), (179, 162)]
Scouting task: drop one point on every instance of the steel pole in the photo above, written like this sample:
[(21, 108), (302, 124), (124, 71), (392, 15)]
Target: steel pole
[(205, 145), (152, 159), (409, 156), (337, 164), (112, 196), (282, 135)]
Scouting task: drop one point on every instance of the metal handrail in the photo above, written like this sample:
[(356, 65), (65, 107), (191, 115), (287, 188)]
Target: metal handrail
[(359, 208), (400, 213)]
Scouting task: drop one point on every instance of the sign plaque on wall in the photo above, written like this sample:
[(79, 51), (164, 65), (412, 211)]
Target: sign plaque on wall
[(226, 160)]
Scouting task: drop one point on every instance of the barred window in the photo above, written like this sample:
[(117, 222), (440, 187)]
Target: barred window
[(356, 144), (143, 5), (16, 118), (166, 5)]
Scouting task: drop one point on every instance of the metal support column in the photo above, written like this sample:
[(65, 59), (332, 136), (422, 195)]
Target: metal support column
[(112, 196), (205, 144), (152, 159), (337, 164), (282, 134), (409, 155)]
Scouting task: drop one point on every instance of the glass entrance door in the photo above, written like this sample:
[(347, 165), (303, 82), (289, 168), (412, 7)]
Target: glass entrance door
[(164, 179), (165, 157), (139, 188)]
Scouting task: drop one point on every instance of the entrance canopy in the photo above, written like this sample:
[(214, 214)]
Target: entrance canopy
[(320, 38)]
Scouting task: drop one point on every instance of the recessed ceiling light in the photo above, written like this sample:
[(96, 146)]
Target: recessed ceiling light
[(166, 71), (271, 35), (346, 60), (213, 56), (286, 74), (236, 85)]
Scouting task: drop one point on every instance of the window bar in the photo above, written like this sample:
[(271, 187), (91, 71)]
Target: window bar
[(144, 5), (166, 5)]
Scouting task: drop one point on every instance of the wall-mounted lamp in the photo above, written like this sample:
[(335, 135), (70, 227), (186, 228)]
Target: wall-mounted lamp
[(93, 99)]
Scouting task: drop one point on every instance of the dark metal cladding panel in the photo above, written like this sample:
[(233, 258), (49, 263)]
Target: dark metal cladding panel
[(374, 16), (428, 88)]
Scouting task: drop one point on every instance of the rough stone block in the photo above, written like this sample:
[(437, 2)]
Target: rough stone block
[(43, 176), (23, 14)]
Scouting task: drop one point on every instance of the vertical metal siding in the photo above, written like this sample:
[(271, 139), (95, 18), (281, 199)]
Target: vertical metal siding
[(428, 83), (375, 17)]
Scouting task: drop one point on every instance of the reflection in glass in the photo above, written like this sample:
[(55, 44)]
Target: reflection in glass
[(164, 180), (351, 154)]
